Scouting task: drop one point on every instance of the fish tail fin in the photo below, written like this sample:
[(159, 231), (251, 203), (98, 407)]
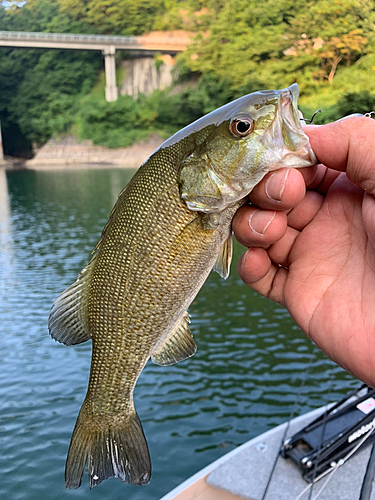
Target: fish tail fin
[(118, 449)]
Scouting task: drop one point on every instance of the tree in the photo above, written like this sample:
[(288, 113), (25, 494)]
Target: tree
[(116, 17), (242, 38), (329, 33), (240, 46), (340, 48), (47, 98), (40, 88), (272, 43)]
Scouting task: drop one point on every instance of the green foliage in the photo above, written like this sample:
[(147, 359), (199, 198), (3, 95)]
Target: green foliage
[(189, 15), (181, 108), (360, 102), (48, 96), (350, 103), (115, 124), (120, 123), (326, 46), (116, 17), (275, 43), (329, 34), (34, 15), (242, 38), (40, 89)]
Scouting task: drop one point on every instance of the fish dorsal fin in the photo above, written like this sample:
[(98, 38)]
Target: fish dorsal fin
[(67, 321), (222, 264), (178, 346)]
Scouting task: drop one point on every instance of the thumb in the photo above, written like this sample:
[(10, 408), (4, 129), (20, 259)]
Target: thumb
[(347, 145)]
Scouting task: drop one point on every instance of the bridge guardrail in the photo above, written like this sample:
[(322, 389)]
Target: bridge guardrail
[(99, 39)]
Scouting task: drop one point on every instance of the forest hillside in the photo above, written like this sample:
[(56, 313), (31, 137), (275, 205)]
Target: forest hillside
[(238, 46)]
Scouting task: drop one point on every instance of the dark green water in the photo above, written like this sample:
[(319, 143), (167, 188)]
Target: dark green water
[(244, 379)]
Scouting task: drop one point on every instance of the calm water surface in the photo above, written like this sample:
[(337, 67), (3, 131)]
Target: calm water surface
[(243, 380)]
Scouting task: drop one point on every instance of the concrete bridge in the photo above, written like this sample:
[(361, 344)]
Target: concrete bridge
[(155, 42)]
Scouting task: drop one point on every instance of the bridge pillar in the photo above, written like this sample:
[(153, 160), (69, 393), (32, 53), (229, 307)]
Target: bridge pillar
[(111, 90)]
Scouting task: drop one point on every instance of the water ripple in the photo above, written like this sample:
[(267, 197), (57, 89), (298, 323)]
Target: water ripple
[(244, 378)]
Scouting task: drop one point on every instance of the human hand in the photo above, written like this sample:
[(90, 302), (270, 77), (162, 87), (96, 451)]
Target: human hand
[(314, 251)]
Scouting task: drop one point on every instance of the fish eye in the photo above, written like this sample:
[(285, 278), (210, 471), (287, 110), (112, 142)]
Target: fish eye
[(241, 127)]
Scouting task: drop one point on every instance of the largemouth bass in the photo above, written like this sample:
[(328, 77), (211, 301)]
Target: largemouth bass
[(170, 226)]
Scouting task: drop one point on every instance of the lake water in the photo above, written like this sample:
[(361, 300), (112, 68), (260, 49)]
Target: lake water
[(243, 380)]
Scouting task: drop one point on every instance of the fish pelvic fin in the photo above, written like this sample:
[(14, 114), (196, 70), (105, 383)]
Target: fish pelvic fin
[(118, 449), (178, 346), (67, 322), (224, 259)]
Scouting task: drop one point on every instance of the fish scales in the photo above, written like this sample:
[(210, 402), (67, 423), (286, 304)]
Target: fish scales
[(170, 226), (150, 284)]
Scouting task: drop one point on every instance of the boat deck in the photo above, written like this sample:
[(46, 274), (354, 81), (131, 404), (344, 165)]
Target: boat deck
[(244, 473)]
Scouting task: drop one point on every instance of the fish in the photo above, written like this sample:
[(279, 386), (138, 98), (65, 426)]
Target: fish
[(169, 228)]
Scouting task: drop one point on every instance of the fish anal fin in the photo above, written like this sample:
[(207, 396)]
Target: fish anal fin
[(67, 321), (224, 259), (178, 346)]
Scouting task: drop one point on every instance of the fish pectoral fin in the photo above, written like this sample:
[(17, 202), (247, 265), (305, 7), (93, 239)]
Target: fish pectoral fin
[(224, 259), (179, 345), (67, 319)]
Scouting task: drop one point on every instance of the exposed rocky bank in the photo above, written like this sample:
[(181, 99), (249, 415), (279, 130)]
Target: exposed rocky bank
[(68, 151)]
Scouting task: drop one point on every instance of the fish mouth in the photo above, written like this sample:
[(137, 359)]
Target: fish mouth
[(289, 98), (290, 120), (293, 135)]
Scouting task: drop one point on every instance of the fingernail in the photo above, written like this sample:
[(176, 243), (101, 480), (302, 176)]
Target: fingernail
[(260, 220), (242, 261), (275, 185)]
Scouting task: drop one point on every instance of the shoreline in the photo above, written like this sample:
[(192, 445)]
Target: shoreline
[(68, 152), (77, 166)]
